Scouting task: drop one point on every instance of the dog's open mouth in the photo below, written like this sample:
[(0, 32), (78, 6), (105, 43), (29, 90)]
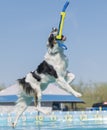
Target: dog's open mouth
[(63, 38), (53, 39)]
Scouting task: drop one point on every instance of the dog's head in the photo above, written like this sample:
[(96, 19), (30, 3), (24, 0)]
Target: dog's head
[(55, 45)]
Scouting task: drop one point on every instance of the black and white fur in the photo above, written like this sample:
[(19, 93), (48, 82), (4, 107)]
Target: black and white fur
[(53, 69)]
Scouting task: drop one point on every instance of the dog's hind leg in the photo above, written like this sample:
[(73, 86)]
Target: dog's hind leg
[(22, 103), (37, 103), (40, 109)]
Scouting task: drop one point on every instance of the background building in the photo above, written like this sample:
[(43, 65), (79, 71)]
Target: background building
[(53, 97)]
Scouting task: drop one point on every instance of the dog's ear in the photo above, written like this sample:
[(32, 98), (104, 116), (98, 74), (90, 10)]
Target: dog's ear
[(52, 37), (51, 40)]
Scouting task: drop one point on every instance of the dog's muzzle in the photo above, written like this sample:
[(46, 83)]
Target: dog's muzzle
[(53, 39)]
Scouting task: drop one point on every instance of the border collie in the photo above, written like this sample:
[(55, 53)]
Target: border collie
[(53, 69)]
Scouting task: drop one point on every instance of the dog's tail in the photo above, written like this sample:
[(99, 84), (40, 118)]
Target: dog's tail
[(26, 86), (21, 81)]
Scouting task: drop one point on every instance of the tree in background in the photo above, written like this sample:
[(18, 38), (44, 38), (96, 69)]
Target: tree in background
[(2, 86), (91, 93)]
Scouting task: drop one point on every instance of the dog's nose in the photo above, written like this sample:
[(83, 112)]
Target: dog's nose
[(54, 30)]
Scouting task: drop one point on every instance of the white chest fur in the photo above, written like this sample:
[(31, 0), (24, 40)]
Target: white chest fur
[(59, 61)]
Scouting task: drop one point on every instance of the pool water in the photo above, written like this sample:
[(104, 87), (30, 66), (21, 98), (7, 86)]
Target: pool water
[(78, 120), (54, 126)]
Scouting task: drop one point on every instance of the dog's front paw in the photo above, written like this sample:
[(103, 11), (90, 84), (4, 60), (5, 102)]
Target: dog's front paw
[(77, 94)]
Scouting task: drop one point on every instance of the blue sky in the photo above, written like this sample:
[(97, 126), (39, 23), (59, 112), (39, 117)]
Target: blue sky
[(25, 26)]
